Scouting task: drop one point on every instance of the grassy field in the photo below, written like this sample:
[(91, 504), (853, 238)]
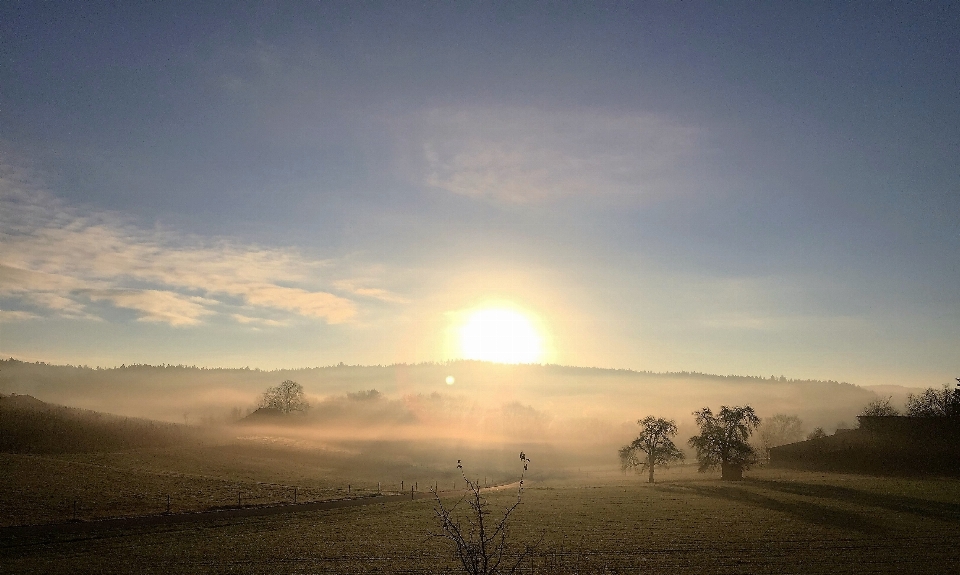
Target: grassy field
[(54, 488), (775, 522)]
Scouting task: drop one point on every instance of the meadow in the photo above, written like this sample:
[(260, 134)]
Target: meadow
[(599, 522), (41, 489), (577, 515)]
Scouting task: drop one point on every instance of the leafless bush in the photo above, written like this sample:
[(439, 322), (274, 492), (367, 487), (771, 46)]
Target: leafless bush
[(481, 541), (882, 407)]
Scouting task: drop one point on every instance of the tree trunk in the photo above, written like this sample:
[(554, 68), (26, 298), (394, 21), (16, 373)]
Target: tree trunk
[(731, 472)]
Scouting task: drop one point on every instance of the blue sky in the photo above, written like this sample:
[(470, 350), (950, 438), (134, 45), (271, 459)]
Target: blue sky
[(752, 189)]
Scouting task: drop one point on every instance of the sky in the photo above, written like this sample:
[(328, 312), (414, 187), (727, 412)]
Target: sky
[(745, 188)]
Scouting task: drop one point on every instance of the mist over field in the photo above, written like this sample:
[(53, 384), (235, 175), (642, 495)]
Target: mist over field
[(582, 411), (681, 278)]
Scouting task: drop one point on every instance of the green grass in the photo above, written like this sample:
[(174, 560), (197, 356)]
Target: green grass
[(775, 522)]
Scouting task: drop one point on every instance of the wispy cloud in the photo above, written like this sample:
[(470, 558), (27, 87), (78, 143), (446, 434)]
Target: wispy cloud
[(11, 316), (523, 155), (58, 259), (369, 292), (257, 321), (159, 306)]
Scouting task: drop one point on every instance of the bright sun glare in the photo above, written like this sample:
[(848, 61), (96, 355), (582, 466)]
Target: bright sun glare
[(500, 335)]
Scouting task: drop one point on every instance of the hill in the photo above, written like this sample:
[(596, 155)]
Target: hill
[(28, 425), (519, 402)]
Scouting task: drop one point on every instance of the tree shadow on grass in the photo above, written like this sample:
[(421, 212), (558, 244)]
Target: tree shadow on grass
[(896, 503), (803, 510)]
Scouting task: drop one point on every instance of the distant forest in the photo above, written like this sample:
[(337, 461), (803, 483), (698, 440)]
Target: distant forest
[(610, 397)]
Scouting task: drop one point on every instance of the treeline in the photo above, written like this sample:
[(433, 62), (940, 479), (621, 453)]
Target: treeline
[(179, 393), (28, 425), (554, 368), (931, 402)]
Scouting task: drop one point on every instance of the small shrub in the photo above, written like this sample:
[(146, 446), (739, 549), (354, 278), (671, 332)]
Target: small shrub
[(880, 407), (481, 541)]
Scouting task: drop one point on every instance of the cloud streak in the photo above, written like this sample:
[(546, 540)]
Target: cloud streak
[(56, 259), (527, 155), (159, 306)]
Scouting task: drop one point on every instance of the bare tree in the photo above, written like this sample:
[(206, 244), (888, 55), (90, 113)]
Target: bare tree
[(724, 440), (776, 430), (286, 397), (934, 402), (481, 541), (655, 443), (881, 407)]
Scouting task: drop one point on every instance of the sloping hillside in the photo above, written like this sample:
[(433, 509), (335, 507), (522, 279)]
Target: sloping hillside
[(179, 393), (28, 425)]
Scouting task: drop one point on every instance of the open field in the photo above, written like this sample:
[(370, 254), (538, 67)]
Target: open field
[(38, 489), (581, 517), (775, 522)]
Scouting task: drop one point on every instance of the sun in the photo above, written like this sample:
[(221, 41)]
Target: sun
[(500, 335)]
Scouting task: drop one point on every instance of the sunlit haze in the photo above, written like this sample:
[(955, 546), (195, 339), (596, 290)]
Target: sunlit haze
[(669, 187), (334, 286)]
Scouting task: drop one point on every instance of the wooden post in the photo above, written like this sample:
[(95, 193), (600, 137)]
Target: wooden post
[(401, 486), (411, 492), (348, 489)]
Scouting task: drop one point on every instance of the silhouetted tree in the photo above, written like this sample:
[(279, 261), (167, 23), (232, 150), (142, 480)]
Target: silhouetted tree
[(286, 397), (817, 433), (724, 440), (881, 407), (934, 403), (481, 545), (654, 442), (956, 398), (779, 429)]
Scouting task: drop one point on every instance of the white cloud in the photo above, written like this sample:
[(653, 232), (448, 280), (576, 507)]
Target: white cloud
[(524, 155), (158, 306), (13, 316), (58, 258), (368, 292), (257, 321), (322, 305)]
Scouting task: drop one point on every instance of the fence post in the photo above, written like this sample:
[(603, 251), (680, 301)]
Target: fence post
[(401, 486), (348, 489), (411, 492)]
